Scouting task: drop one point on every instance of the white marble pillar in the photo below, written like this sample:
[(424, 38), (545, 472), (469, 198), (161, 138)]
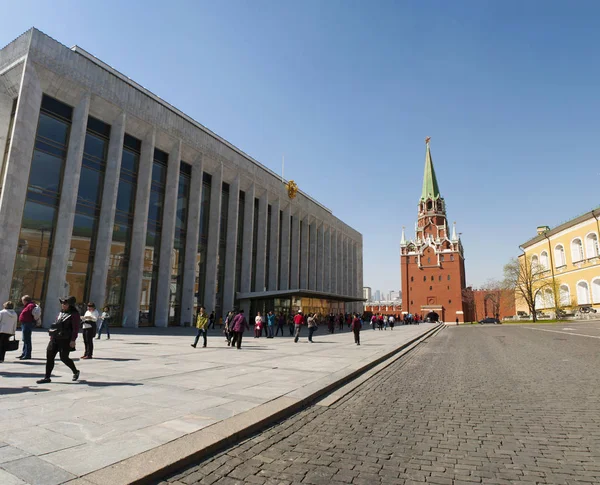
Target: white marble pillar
[(246, 283), (231, 246), (167, 237), (63, 228), (295, 251), (312, 255), (304, 250), (135, 270), (212, 252), (191, 245), (284, 275), (320, 256), (340, 263), (260, 282), (326, 258), (107, 211), (16, 176), (274, 246)]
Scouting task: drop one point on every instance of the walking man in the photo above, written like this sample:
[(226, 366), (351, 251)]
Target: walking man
[(239, 325), (201, 325), (298, 322), (356, 326), (63, 334)]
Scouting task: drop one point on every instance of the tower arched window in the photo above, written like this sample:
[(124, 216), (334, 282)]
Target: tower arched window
[(565, 295), (412, 278), (559, 256), (591, 245), (596, 290), (544, 260), (424, 278), (448, 277), (576, 250), (432, 278), (583, 293), (429, 205)]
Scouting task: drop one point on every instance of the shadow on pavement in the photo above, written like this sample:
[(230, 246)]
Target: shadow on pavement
[(108, 384), (22, 374), (114, 359), (19, 390)]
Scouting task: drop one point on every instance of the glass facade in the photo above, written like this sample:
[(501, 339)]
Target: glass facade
[(239, 248), (87, 210), (290, 253), (291, 305), (254, 248), (178, 254), (203, 241), (222, 250), (280, 238), (153, 235), (34, 249), (118, 263)]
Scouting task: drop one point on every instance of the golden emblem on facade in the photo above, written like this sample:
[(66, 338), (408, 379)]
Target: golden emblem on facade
[(292, 189)]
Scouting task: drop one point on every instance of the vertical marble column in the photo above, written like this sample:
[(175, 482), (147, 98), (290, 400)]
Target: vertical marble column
[(135, 271), (326, 258), (340, 263), (231, 246), (274, 246), (284, 276), (107, 211), (167, 237), (246, 283), (212, 253), (63, 229), (6, 104), (191, 245), (295, 250), (261, 243), (313, 255), (320, 256), (304, 251), (16, 176)]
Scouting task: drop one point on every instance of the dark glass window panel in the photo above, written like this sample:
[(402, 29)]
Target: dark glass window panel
[(159, 174), (225, 187), (129, 161), (132, 143), (98, 126), (155, 207), (56, 107), (186, 168), (125, 197), (53, 129), (95, 147), (182, 201), (33, 251), (46, 172), (83, 226), (161, 156), (206, 178), (121, 232), (254, 247), (239, 244), (56, 150), (90, 187)]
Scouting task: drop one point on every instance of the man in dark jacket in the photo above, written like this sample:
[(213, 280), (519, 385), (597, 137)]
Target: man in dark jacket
[(63, 334)]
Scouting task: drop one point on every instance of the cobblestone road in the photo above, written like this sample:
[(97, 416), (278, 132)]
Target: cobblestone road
[(494, 405)]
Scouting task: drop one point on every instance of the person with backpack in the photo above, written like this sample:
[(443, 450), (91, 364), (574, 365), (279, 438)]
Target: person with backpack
[(27, 321), (63, 335)]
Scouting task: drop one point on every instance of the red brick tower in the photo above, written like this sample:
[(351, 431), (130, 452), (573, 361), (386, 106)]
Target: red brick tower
[(432, 265)]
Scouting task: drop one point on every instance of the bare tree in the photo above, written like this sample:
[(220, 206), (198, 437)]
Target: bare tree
[(494, 294), (526, 278)]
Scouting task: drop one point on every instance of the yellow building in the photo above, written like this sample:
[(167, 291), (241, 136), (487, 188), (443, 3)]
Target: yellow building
[(569, 253)]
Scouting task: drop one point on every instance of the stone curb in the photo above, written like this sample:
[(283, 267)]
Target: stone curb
[(150, 466)]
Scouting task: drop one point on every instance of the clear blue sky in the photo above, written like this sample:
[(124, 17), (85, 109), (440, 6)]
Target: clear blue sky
[(348, 90)]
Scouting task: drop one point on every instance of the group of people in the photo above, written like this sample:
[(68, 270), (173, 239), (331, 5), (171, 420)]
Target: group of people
[(63, 332), (236, 324)]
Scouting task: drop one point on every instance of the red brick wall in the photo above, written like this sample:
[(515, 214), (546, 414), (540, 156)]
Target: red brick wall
[(418, 287), (485, 309)]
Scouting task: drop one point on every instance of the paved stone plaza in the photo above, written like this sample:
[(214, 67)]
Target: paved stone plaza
[(476, 404), (147, 387)]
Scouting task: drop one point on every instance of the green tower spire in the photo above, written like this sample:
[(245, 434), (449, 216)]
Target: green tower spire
[(430, 185)]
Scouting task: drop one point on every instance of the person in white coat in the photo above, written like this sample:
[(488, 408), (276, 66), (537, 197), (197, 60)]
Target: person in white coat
[(89, 324), (8, 327)]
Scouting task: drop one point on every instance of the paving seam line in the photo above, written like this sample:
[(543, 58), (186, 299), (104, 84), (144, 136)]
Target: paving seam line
[(152, 465), (344, 390)]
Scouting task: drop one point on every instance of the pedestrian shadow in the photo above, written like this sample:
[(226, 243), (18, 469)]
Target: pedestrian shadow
[(115, 359), (21, 374), (31, 362), (19, 390), (108, 384)]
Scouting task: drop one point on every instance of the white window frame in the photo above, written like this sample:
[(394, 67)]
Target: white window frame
[(594, 247), (564, 296), (560, 258), (544, 260), (573, 248), (579, 299), (596, 287)]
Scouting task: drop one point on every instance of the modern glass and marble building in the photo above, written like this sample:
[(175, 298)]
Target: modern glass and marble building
[(113, 195)]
